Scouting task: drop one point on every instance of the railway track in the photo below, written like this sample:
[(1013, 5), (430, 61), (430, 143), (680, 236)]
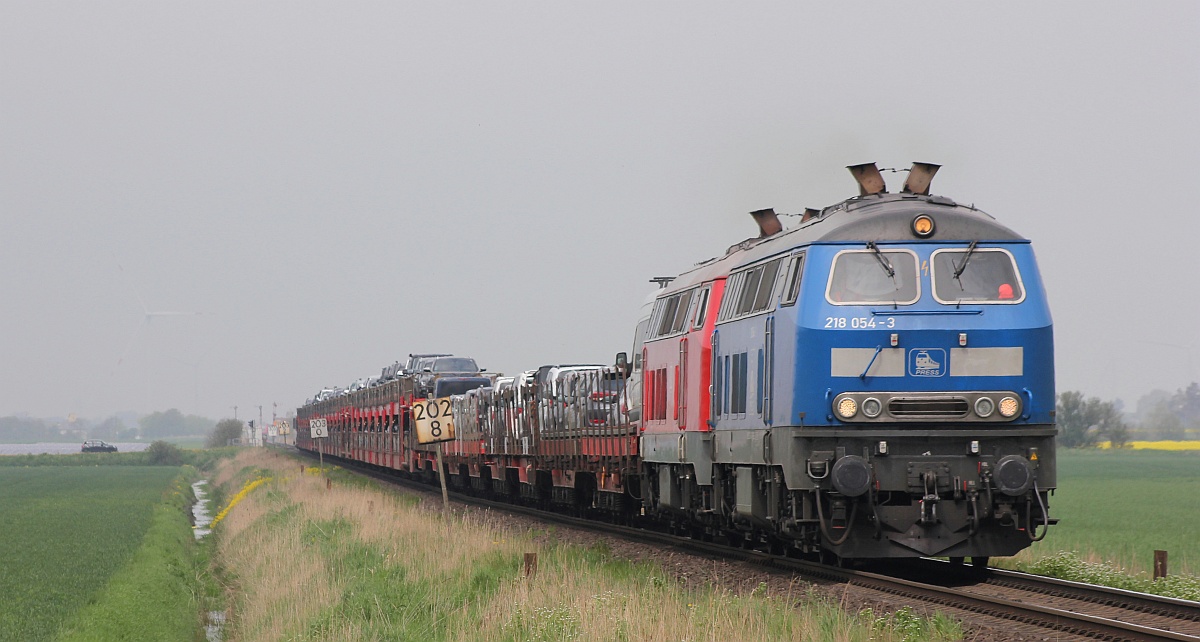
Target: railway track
[(1029, 605)]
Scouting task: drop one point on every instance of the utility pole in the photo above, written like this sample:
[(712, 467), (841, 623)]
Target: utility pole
[(260, 423), (235, 413)]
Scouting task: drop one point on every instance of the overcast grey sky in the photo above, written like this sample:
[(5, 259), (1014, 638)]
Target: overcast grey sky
[(334, 185)]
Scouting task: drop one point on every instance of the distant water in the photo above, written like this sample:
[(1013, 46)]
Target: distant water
[(65, 448)]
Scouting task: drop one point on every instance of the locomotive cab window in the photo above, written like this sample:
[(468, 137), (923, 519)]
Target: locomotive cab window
[(976, 275), (873, 276)]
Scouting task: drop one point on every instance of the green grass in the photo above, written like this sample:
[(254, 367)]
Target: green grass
[(1115, 509), (1120, 506), (1068, 565), (202, 459), (66, 532), (154, 596)]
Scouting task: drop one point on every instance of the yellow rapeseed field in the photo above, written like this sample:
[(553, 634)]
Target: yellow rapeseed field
[(1157, 445)]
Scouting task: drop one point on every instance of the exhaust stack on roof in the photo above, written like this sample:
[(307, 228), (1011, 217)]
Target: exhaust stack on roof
[(809, 214), (919, 178), (868, 177), (768, 222)]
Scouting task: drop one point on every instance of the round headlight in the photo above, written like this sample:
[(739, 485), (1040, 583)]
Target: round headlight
[(922, 226), (984, 407), (847, 408), (1009, 407), (871, 407)]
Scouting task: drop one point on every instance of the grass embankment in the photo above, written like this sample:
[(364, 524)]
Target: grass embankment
[(1116, 508), (66, 532), (359, 562)]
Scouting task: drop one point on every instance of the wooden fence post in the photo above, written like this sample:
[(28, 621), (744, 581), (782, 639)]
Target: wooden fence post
[(1160, 564), (530, 564)]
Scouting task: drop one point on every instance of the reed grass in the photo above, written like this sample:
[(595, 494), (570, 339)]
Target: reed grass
[(303, 562)]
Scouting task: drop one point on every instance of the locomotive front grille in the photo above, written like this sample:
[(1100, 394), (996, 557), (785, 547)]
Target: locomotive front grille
[(928, 407)]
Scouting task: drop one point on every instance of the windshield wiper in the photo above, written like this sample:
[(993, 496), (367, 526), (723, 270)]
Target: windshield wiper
[(966, 259), (883, 262)]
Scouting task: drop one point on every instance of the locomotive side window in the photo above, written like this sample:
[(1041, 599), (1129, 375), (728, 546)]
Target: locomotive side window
[(976, 275), (793, 284), (728, 385), (759, 380), (667, 317), (685, 302), (660, 394), (701, 309), (750, 290), (733, 288), (737, 384), (864, 277), (670, 314), (766, 287)]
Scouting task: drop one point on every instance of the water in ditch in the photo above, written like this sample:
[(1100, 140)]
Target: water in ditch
[(202, 520)]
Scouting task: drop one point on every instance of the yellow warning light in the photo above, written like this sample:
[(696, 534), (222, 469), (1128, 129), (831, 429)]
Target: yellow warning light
[(1033, 456), (922, 226)]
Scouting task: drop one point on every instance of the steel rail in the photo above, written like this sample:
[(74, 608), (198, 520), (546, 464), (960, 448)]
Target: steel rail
[(1106, 595)]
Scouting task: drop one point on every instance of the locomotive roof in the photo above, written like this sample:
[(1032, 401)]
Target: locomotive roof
[(888, 217), (874, 217)]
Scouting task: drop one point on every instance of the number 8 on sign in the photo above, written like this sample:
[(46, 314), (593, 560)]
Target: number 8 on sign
[(434, 421)]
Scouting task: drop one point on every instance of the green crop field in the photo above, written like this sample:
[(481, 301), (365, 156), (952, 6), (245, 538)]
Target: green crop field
[(66, 531), (1119, 506)]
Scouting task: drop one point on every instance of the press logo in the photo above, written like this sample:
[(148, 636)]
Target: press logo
[(926, 362)]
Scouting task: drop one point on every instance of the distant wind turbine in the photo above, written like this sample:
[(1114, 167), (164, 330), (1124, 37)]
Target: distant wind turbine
[(147, 317)]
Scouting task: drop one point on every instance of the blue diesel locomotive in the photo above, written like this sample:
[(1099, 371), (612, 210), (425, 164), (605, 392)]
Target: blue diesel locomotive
[(882, 385)]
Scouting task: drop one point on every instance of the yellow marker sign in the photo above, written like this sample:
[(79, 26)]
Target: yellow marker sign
[(434, 421)]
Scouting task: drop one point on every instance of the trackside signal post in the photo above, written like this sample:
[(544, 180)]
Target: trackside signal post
[(319, 429), (435, 425)]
